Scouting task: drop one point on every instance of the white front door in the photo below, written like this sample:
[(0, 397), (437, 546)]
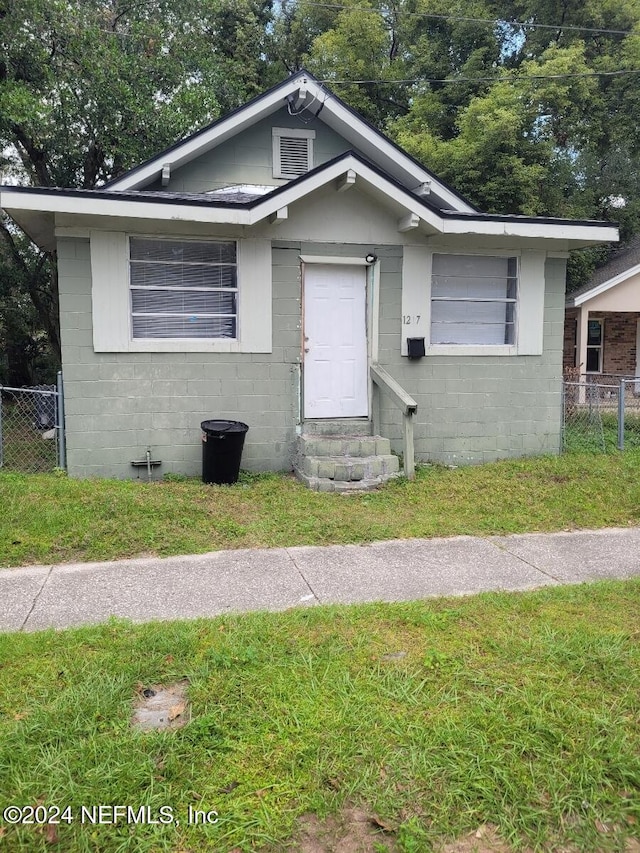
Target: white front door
[(335, 341)]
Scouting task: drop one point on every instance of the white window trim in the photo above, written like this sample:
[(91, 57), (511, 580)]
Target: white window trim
[(416, 302), (112, 309), (279, 133), (593, 346)]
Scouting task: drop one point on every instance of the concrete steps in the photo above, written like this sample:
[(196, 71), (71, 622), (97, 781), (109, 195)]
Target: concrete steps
[(338, 427), (343, 456)]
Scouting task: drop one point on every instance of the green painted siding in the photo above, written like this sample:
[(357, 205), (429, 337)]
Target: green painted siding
[(247, 157), (117, 405), (474, 409), (471, 409)]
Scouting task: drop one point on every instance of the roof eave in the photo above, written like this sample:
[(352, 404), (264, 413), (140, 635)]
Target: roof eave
[(575, 234), (572, 234), (340, 117), (587, 295)]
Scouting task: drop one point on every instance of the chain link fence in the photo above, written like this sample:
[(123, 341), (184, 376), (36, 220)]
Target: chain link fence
[(601, 415), (32, 428)]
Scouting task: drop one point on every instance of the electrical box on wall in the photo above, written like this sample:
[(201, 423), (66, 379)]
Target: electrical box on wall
[(415, 347)]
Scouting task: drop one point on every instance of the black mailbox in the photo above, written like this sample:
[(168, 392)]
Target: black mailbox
[(415, 347)]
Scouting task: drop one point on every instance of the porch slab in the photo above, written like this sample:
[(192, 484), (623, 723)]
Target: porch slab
[(337, 426), (343, 445)]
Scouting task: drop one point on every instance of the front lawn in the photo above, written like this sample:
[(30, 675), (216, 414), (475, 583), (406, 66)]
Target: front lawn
[(48, 518), (514, 712)]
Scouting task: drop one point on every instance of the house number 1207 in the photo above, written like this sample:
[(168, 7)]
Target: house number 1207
[(408, 319)]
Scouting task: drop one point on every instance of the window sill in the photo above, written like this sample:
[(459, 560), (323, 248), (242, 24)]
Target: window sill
[(184, 345), (471, 349)]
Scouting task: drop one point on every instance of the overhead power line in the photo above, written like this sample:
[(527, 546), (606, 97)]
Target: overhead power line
[(514, 78), (494, 22), (464, 19)]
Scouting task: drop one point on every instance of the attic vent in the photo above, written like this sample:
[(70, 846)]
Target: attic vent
[(292, 152)]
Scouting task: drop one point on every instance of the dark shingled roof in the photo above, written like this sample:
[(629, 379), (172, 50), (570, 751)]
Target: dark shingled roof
[(219, 197), (623, 258), (250, 200)]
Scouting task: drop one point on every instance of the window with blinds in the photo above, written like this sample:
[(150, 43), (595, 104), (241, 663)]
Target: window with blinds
[(292, 152), (183, 288), (473, 299)]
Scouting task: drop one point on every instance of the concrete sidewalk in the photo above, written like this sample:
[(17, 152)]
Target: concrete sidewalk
[(37, 597)]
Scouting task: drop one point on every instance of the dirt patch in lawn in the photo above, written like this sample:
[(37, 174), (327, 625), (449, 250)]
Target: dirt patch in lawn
[(484, 840), (350, 831), (356, 831)]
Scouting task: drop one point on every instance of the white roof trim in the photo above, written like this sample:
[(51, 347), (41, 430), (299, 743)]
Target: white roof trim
[(10, 201), (334, 172), (606, 285), (595, 233), (335, 114), (14, 200)]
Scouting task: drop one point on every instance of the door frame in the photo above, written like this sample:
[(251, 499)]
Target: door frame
[(372, 313)]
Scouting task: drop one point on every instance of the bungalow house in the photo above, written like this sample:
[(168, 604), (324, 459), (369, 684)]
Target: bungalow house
[(290, 267), (602, 321)]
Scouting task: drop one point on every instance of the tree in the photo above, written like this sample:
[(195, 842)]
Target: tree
[(27, 317), (296, 25), (89, 88), (520, 105), (552, 126)]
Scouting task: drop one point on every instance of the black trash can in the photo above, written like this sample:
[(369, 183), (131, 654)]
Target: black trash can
[(222, 443)]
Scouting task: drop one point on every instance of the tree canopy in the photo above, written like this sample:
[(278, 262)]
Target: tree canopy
[(526, 106)]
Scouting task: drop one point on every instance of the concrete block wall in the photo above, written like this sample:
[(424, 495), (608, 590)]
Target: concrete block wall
[(471, 409), (474, 409), (120, 404)]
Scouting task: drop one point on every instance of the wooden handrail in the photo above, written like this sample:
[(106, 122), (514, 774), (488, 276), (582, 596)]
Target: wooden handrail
[(393, 389), (407, 406)]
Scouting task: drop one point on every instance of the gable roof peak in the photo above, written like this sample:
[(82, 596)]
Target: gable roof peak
[(336, 114), (622, 263)]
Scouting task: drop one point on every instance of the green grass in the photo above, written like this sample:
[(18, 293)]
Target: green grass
[(49, 518), (23, 448), (519, 710), (597, 432)]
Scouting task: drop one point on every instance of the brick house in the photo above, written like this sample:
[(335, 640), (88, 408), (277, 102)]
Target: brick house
[(602, 320)]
